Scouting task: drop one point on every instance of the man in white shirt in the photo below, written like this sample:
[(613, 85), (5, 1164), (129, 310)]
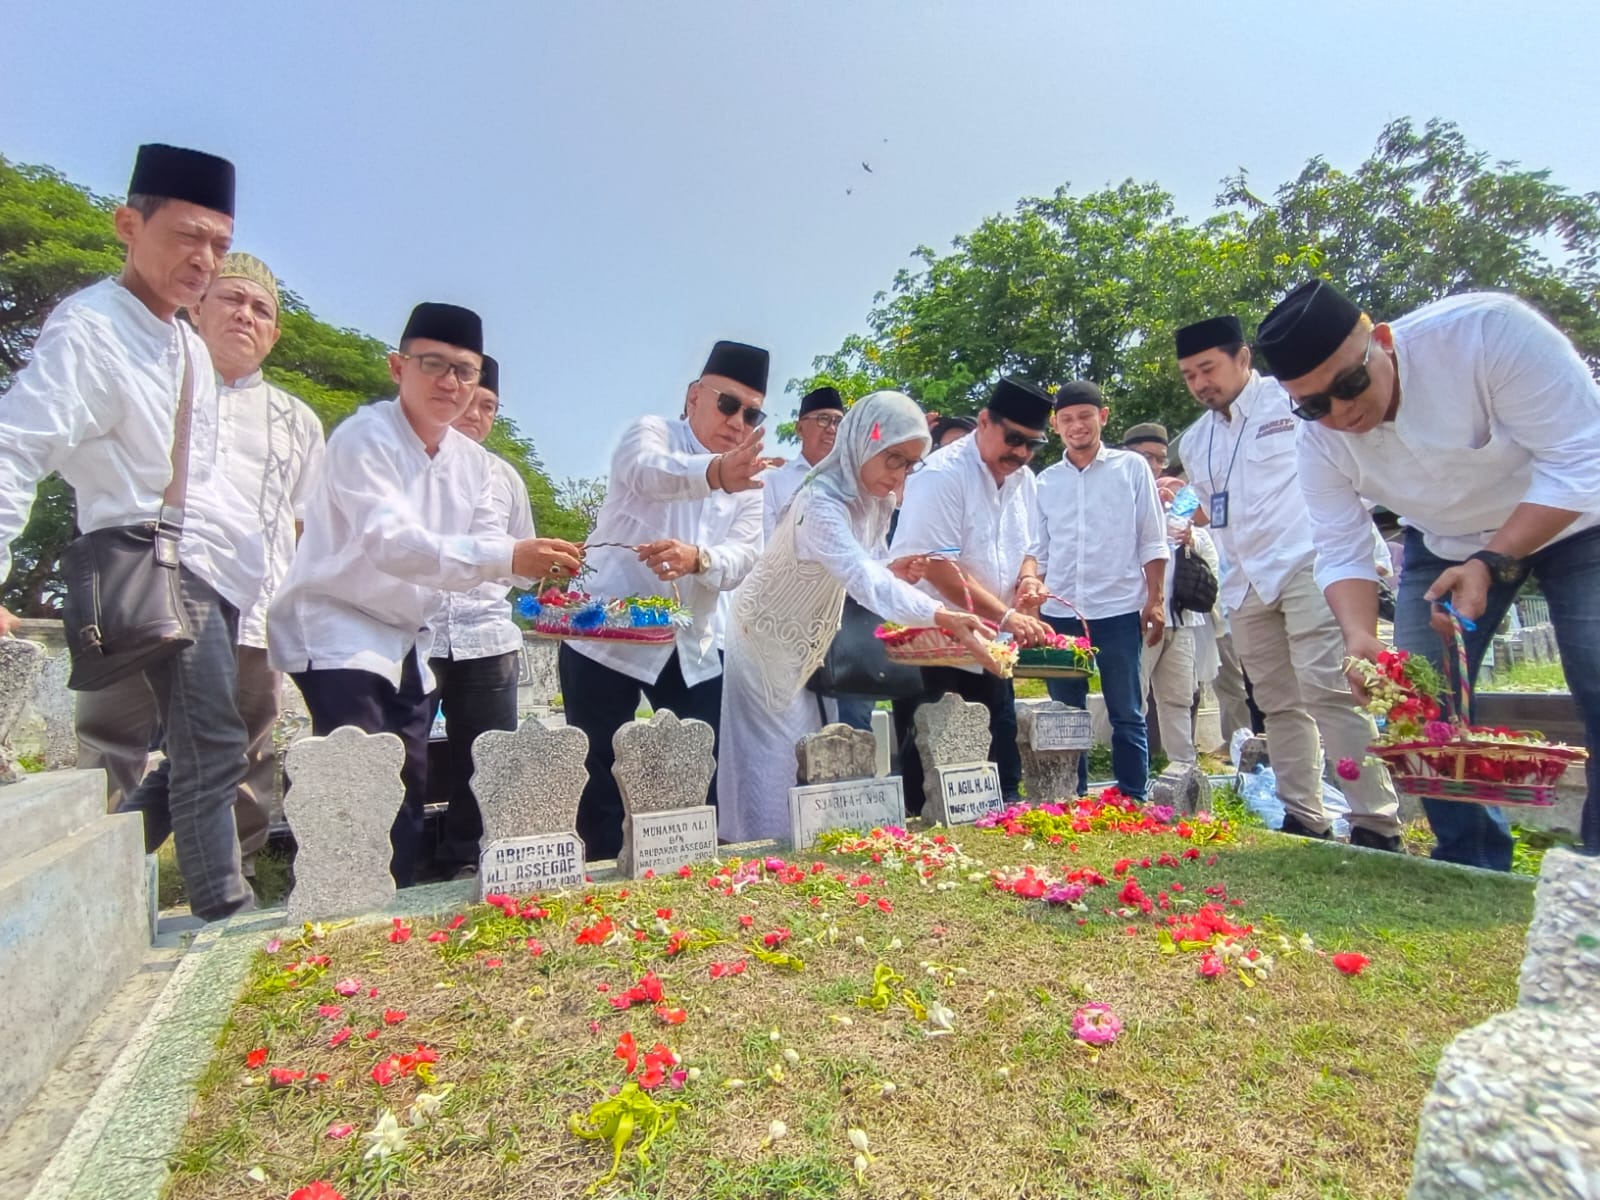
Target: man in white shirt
[(682, 515), (98, 403), (1168, 668), (475, 648), (821, 412), (403, 510), (1103, 546), (269, 445), (1475, 421), (1241, 463), (973, 508)]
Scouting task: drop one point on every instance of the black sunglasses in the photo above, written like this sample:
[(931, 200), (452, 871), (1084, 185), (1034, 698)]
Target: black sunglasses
[(1018, 440), (1347, 387), (727, 405)]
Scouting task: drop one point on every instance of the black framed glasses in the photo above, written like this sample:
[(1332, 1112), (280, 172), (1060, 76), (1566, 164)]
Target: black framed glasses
[(436, 366), (830, 421), (1347, 387), (728, 404)]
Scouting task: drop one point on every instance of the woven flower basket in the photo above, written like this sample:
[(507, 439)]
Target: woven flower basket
[(1478, 766), (1049, 662)]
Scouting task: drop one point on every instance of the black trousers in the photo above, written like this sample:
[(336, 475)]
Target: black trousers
[(993, 693), (373, 705), (477, 695), (601, 701)]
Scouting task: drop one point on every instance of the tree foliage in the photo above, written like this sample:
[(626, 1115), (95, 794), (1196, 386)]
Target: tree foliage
[(55, 238), (1068, 287)]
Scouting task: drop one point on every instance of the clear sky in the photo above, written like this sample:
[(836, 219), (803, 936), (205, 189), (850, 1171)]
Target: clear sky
[(616, 185)]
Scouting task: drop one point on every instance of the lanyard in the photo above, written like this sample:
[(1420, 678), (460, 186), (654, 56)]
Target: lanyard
[(1211, 470)]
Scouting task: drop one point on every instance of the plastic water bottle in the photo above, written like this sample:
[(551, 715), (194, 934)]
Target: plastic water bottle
[(1180, 513)]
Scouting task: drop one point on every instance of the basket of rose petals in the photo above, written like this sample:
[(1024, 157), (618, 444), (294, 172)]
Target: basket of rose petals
[(928, 646), (1439, 755), (565, 615), (1062, 656)]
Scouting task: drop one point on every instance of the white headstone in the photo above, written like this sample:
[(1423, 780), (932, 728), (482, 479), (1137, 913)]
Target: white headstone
[(663, 770), (1051, 739), (883, 740), (949, 732), (528, 782), (965, 792), (844, 804), (344, 792)]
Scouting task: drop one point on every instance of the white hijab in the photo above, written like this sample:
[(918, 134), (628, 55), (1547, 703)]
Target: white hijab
[(786, 612)]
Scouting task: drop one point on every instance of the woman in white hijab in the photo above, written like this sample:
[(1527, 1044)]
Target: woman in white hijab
[(829, 541)]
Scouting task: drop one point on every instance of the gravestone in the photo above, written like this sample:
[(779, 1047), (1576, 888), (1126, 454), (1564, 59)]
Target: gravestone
[(528, 782), (836, 752), (53, 705), (838, 787), (1183, 787), (1254, 754), (344, 793), (1515, 1108), (663, 770), (883, 741), (960, 784), (1052, 737), (20, 664)]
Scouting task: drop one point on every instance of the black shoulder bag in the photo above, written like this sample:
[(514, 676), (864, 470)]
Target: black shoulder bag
[(856, 664), (124, 612), (1194, 587)]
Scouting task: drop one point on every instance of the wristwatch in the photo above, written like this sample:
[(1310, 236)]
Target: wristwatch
[(1502, 567), (703, 563)]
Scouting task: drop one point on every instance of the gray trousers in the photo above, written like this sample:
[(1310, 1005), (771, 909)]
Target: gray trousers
[(118, 726), (192, 795)]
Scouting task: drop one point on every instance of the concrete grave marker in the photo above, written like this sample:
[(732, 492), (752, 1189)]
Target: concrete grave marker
[(663, 770), (20, 664), (1052, 737), (949, 732), (528, 782), (838, 788), (344, 793), (53, 704), (1182, 786), (967, 791)]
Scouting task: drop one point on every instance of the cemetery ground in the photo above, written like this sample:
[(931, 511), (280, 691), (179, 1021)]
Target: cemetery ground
[(900, 1017)]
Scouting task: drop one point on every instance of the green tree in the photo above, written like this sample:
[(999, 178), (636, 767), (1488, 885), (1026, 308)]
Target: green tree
[(1092, 286), (55, 238)]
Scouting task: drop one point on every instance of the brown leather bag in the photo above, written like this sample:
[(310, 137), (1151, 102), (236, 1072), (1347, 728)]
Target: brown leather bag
[(124, 612)]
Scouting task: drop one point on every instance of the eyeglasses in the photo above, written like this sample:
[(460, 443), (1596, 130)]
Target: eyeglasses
[(1347, 387), (435, 366), (1018, 440), (1155, 460), (823, 422), (896, 461), (728, 404)]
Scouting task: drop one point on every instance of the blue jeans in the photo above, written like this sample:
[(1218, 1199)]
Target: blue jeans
[(1120, 645), (856, 711), (1569, 574)]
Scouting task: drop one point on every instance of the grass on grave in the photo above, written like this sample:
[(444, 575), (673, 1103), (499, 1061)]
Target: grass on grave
[(1307, 1084)]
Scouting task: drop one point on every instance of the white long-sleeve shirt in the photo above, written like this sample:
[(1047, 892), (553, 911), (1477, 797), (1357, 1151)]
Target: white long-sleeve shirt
[(658, 489), (1097, 529), (1250, 454), (386, 528), (780, 486), (270, 444), (97, 402), (478, 624), (1496, 410)]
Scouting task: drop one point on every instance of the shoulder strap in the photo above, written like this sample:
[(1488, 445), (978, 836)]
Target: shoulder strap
[(177, 493)]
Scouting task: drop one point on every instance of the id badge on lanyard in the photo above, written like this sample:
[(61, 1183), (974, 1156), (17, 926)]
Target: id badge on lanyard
[(1218, 510)]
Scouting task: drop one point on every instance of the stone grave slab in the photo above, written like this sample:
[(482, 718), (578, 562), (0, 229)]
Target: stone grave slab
[(21, 661), (1183, 787), (1052, 737), (860, 804), (663, 770), (966, 791), (949, 732), (836, 752), (528, 782), (344, 792)]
